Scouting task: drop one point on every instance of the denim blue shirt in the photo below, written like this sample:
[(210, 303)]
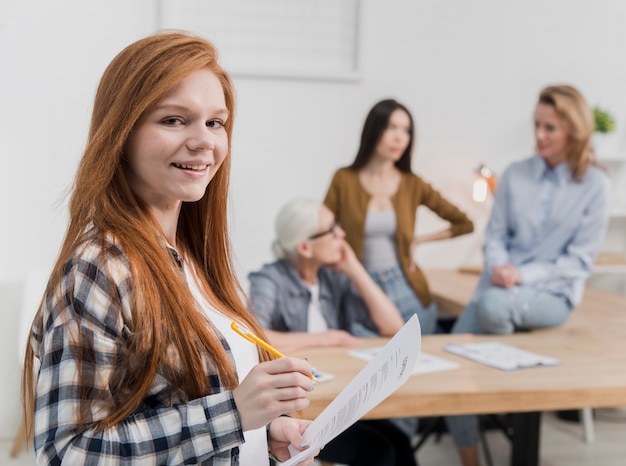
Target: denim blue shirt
[(281, 300), (548, 226)]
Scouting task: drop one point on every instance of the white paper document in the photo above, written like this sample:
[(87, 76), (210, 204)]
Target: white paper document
[(500, 355), (385, 373), (425, 362)]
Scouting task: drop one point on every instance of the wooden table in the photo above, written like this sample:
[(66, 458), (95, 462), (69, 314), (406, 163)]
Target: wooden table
[(451, 289), (591, 347)]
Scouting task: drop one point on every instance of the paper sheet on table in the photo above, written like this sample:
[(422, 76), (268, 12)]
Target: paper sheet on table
[(500, 355), (425, 362), (385, 373)]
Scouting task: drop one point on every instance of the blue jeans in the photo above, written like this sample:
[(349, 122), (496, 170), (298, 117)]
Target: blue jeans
[(502, 311), (395, 285)]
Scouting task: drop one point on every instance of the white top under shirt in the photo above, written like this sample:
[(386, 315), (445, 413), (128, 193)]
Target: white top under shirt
[(254, 451), (315, 320), (379, 244)]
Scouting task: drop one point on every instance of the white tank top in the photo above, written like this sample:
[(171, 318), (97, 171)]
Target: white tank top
[(379, 243), (315, 320), (254, 451)]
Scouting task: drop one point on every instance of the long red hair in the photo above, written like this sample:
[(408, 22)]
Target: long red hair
[(166, 316)]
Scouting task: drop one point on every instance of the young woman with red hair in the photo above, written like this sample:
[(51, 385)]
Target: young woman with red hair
[(131, 357)]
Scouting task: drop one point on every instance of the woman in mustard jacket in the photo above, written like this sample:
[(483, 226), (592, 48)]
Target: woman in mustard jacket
[(376, 199)]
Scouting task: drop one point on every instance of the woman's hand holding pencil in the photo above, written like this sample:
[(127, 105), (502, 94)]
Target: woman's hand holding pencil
[(272, 388), (248, 335)]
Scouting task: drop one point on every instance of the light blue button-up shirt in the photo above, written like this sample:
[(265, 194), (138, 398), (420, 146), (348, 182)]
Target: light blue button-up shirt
[(556, 253)]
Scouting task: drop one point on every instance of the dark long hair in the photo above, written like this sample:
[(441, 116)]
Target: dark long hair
[(375, 124)]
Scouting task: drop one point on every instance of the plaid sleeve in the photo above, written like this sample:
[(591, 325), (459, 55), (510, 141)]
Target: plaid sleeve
[(203, 431)]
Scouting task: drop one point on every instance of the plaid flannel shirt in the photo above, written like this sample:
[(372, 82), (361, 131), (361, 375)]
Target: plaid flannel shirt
[(163, 430)]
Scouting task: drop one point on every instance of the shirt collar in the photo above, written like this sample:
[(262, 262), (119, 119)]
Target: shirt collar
[(561, 172), (176, 257), (299, 286)]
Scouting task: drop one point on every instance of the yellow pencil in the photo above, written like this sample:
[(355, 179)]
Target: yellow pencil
[(248, 335)]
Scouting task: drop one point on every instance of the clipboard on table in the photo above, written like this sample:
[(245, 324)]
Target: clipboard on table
[(500, 355)]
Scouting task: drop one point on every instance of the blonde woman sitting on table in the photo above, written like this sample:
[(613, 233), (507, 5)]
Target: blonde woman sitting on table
[(547, 224), (309, 297)]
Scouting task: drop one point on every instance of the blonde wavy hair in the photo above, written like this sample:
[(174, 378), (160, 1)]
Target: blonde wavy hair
[(574, 111)]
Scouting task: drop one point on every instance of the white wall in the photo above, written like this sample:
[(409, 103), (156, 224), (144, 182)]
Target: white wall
[(469, 71)]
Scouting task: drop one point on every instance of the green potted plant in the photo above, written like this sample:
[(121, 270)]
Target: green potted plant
[(604, 138), (605, 123)]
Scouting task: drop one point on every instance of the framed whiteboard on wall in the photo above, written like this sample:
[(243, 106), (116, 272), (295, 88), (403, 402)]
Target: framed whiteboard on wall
[(283, 39)]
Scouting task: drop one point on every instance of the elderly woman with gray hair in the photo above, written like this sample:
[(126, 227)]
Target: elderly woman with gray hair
[(316, 294)]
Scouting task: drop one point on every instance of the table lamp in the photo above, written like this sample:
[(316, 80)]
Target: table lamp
[(485, 183)]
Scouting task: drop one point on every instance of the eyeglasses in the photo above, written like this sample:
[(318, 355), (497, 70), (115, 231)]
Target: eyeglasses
[(332, 230)]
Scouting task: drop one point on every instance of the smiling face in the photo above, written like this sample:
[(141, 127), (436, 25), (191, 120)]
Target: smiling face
[(551, 135), (395, 138), (176, 148)]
